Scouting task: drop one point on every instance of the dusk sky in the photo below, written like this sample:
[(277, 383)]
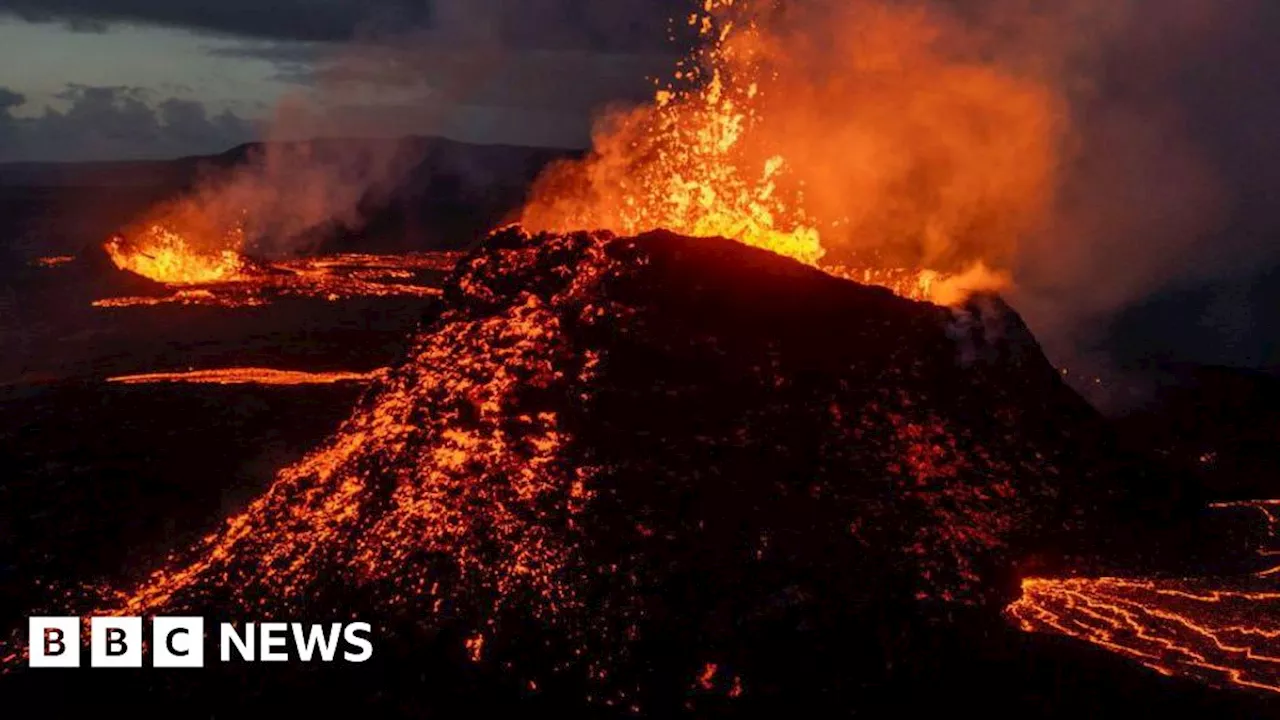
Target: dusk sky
[(110, 79)]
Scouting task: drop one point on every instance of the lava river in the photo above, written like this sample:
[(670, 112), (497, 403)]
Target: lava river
[(1222, 631)]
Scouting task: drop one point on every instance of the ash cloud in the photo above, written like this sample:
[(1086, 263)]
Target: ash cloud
[(1162, 238), (1167, 177)]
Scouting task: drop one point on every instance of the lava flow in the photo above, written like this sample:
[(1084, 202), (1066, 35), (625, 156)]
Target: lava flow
[(249, 376), (191, 278), (53, 261), (198, 250), (1223, 631)]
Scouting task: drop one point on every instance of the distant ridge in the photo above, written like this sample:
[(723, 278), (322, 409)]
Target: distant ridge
[(452, 193), (184, 170)]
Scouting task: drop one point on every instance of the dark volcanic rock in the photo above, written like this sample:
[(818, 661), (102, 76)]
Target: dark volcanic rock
[(766, 412), (93, 276), (1221, 424), (659, 466)]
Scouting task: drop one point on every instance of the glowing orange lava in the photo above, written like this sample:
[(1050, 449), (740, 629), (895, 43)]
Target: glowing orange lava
[(458, 488), (198, 248), (868, 156), (53, 261), (249, 376), (691, 179), (275, 547), (185, 296), (1222, 631), (329, 277), (166, 256)]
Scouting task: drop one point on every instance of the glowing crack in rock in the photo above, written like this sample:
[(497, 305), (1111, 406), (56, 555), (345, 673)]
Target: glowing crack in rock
[(52, 261), (249, 376), (1224, 631)]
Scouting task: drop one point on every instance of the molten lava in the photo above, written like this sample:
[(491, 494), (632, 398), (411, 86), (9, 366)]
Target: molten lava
[(199, 246), (683, 171), (330, 277), (249, 376), (608, 447), (608, 444), (1223, 631), (53, 261), (889, 157), (166, 256)]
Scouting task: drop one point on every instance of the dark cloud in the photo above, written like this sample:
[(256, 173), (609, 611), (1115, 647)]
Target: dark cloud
[(10, 99), (294, 62), (562, 38), (488, 70), (515, 72), (283, 53), (283, 19), (626, 25), (1217, 70), (115, 123), (1174, 190)]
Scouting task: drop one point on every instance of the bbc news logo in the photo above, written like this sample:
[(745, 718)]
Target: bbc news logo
[(179, 642)]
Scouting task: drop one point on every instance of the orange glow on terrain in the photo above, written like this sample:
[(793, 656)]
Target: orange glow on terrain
[(229, 280), (494, 472), (248, 376), (489, 482), (1222, 631), (53, 261)]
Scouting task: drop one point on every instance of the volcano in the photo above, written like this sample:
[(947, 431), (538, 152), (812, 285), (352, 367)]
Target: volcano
[(636, 468)]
